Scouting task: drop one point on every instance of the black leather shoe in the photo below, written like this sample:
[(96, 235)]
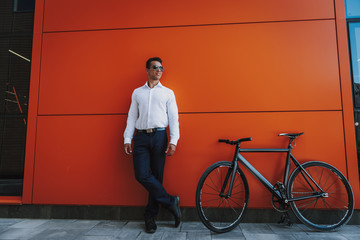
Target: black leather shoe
[(175, 210), (150, 225)]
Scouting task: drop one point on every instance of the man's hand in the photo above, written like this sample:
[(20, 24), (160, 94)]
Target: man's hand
[(128, 148), (170, 150)]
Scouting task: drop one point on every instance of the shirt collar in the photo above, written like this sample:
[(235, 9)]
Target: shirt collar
[(157, 85)]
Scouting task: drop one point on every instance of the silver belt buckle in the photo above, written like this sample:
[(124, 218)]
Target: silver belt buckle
[(149, 130)]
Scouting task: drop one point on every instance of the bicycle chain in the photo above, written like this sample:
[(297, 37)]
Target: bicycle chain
[(282, 207)]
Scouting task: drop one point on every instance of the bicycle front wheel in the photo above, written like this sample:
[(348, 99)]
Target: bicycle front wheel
[(329, 211), (218, 211)]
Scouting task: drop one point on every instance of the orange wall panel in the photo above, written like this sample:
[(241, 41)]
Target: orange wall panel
[(68, 15), (80, 159), (251, 67)]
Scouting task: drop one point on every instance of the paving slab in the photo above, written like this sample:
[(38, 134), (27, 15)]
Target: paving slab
[(234, 234), (30, 223), (128, 234), (192, 226), (111, 224), (96, 238), (106, 228), (263, 228), (285, 229), (58, 234), (150, 236), (20, 233), (199, 235), (268, 236), (82, 224), (320, 237), (103, 232), (134, 225), (9, 221), (57, 224), (3, 228), (174, 235), (167, 226)]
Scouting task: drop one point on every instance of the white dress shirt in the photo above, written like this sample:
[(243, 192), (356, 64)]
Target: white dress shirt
[(153, 108)]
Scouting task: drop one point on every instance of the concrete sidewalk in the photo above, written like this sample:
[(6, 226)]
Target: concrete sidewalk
[(41, 229)]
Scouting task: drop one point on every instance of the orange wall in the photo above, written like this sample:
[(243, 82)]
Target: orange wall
[(238, 69)]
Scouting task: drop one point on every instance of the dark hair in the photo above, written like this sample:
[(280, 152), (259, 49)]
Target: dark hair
[(148, 62)]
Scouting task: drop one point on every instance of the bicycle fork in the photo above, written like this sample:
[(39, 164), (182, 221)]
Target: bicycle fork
[(231, 172)]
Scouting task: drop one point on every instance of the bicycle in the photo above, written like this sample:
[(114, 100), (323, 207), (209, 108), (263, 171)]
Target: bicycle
[(317, 193)]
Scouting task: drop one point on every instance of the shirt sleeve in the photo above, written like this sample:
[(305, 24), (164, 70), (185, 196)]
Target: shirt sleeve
[(173, 117), (131, 120)]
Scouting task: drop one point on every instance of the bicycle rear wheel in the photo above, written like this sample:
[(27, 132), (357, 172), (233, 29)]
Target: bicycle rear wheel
[(329, 211), (218, 212)]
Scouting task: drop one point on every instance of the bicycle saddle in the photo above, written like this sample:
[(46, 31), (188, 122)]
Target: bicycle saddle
[(291, 135)]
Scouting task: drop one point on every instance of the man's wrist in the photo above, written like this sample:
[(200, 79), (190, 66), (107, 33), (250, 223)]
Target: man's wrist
[(173, 142)]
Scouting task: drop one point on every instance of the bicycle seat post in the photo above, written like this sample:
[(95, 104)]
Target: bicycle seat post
[(290, 146), (292, 137)]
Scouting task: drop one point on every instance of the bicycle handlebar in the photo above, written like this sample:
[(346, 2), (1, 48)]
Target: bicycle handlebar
[(234, 142)]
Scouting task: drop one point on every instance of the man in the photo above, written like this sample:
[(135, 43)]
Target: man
[(153, 108)]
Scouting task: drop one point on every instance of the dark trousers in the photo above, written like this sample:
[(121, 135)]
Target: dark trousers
[(149, 161)]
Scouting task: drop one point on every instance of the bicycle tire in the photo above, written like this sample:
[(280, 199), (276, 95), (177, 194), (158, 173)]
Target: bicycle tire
[(220, 214), (323, 213)]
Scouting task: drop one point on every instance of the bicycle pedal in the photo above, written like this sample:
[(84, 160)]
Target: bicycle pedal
[(285, 219), (282, 219)]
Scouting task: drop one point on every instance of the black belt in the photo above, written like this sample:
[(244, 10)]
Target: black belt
[(150, 130)]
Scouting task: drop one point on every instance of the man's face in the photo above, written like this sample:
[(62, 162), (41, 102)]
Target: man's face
[(154, 74)]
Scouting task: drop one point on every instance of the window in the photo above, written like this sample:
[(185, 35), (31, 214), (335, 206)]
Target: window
[(16, 31)]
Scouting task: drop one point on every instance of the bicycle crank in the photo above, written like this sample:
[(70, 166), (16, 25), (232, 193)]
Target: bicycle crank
[(279, 205)]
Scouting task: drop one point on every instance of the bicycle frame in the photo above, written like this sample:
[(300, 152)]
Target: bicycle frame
[(263, 180)]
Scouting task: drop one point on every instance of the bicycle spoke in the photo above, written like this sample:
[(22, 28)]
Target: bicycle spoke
[(212, 182), (235, 202), (336, 206), (327, 212), (333, 192), (218, 213), (210, 193), (221, 202), (307, 204), (231, 206), (212, 188), (311, 212), (315, 179), (302, 182), (232, 194), (210, 200), (332, 184), (341, 210), (326, 182), (217, 175), (210, 205)]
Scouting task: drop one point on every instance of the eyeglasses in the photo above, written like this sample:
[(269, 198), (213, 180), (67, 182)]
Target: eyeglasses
[(158, 68)]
